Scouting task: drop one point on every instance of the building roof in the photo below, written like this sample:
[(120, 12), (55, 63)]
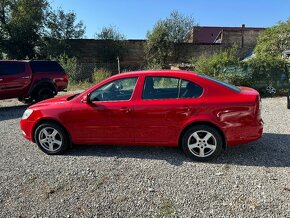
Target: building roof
[(209, 34)]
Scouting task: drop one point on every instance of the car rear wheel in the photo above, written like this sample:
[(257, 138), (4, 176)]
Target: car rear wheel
[(43, 93), (202, 143), (51, 138), (25, 100)]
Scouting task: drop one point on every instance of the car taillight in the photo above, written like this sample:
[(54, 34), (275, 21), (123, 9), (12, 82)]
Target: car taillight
[(66, 77), (258, 106)]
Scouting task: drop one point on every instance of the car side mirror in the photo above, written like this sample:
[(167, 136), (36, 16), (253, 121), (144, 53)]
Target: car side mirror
[(86, 99)]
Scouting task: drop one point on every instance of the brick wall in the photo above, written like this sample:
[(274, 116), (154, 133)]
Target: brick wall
[(88, 50)]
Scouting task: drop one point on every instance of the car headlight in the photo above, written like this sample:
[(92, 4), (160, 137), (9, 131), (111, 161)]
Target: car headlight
[(26, 114)]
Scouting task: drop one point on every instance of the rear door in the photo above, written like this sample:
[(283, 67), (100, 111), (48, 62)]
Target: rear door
[(165, 105), (15, 78)]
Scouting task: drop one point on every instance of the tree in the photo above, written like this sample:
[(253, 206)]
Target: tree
[(110, 33), (215, 64), (162, 41), (273, 41), (21, 25), (60, 27), (113, 45)]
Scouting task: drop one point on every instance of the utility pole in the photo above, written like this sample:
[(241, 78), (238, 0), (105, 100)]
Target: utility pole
[(119, 69)]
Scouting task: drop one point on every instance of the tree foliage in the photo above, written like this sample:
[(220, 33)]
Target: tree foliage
[(214, 64), (162, 41), (113, 45), (30, 28), (21, 25), (273, 41), (110, 33), (60, 27)]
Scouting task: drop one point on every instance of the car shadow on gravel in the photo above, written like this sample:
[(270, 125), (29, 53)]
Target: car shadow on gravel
[(12, 112), (272, 150)]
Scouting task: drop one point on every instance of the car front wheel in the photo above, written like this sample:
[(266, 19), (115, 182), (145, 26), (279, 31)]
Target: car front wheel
[(202, 143), (51, 138)]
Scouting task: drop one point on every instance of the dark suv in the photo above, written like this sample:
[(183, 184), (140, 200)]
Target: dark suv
[(31, 81)]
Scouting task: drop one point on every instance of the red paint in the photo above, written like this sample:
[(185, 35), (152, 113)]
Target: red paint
[(152, 122)]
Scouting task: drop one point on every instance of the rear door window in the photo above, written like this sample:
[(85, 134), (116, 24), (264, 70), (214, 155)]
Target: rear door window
[(158, 87), (45, 67), (11, 68)]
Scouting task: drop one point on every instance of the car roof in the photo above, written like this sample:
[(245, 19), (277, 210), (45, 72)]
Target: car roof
[(157, 72)]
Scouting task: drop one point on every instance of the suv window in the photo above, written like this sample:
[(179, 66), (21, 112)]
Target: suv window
[(11, 68), (117, 90), (45, 67), (156, 87)]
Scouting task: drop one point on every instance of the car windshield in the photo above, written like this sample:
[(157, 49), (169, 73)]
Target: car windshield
[(232, 87)]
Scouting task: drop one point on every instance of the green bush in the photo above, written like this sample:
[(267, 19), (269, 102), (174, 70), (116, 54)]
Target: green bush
[(214, 64), (70, 66), (237, 79), (100, 74)]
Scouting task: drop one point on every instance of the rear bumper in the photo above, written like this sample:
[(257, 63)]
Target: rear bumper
[(27, 129), (245, 134)]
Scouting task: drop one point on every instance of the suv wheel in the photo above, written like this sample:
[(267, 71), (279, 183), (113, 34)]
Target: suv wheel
[(51, 138), (202, 143), (25, 100), (44, 93)]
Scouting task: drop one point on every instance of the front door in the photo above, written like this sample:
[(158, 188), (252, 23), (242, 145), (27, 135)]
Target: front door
[(108, 116)]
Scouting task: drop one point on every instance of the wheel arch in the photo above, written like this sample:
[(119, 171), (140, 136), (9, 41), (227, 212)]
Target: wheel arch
[(50, 120), (43, 83), (195, 123)]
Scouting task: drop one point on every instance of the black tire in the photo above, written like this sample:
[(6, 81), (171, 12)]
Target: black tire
[(48, 142), (26, 100), (288, 100), (43, 93), (195, 136)]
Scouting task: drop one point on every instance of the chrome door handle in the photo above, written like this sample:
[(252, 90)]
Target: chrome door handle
[(185, 108), (26, 77), (125, 109)]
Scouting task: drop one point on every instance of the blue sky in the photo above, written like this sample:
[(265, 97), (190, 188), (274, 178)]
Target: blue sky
[(135, 17)]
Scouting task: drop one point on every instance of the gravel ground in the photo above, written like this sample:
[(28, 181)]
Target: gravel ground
[(251, 180)]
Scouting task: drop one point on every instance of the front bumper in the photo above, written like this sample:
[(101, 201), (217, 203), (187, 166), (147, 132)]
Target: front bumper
[(27, 129)]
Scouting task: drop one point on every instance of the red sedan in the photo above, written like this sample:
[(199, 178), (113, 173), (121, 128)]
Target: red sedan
[(169, 108)]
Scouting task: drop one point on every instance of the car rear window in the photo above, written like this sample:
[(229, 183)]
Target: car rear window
[(45, 67), (11, 68), (232, 87)]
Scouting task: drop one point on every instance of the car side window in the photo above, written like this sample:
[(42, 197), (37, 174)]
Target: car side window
[(156, 87), (117, 90), (46, 67), (11, 68), (189, 89)]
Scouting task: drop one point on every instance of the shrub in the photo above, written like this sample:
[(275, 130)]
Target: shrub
[(70, 66), (100, 74), (237, 79), (214, 64)]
